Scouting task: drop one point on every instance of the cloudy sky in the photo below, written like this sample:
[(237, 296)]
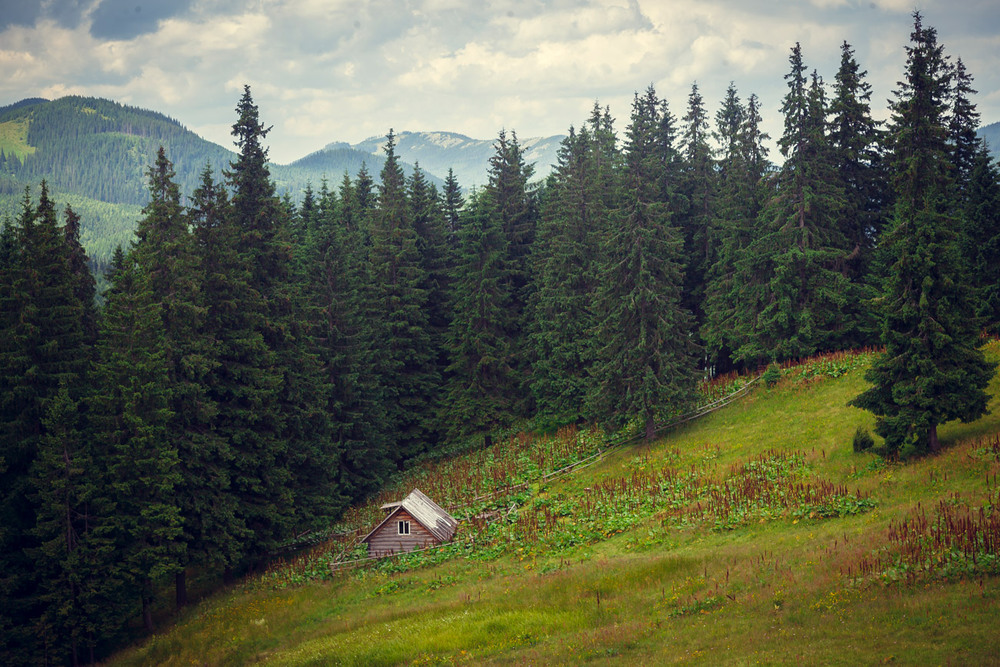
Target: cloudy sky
[(345, 70)]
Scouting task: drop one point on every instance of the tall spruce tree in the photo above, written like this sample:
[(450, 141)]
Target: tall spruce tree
[(963, 121), (452, 204), (246, 263), (436, 259), (793, 272), (561, 308), (84, 595), (743, 191), (131, 405), (337, 290), (517, 205), (856, 141), (288, 439), (400, 318), (607, 154), (932, 370), (647, 355), (481, 374), (165, 249), (79, 265), (981, 240), (44, 345), (699, 188), (364, 436)]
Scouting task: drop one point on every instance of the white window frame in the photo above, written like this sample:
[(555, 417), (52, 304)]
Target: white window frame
[(403, 527)]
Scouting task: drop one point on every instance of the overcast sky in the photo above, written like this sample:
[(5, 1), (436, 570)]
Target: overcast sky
[(339, 70)]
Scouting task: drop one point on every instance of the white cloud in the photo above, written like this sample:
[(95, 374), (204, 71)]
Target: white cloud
[(324, 71)]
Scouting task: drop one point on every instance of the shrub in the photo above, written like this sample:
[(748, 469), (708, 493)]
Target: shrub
[(772, 374), (863, 440)]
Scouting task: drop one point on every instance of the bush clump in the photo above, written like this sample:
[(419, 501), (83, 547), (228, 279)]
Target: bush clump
[(863, 440), (772, 374)]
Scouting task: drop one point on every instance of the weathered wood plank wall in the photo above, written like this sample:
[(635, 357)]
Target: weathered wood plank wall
[(388, 540)]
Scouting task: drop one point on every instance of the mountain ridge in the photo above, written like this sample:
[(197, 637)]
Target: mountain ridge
[(438, 150)]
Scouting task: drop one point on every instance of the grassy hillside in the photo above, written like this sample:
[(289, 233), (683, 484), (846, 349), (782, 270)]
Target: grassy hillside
[(14, 139), (751, 535)]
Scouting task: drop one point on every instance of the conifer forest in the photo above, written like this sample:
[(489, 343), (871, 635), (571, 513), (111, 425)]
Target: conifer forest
[(255, 365)]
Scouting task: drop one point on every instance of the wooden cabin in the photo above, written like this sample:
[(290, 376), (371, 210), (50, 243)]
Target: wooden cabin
[(416, 522)]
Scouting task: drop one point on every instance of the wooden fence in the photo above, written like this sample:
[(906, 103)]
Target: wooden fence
[(610, 444)]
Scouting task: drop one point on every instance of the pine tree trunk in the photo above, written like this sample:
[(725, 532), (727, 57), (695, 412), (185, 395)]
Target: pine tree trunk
[(650, 428), (180, 587), (933, 444), (488, 440)]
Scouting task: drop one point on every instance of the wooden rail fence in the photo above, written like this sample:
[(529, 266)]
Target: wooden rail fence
[(610, 444)]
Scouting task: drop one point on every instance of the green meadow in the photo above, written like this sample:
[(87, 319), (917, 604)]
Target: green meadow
[(14, 138), (752, 535)]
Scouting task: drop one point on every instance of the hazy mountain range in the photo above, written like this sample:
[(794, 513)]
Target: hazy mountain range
[(436, 152)]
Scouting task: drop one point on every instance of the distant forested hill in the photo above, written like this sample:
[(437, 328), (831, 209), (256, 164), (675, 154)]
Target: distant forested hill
[(991, 133), (94, 154), (101, 149)]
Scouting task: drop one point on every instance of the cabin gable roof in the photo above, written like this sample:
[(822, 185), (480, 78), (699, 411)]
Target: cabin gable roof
[(425, 511)]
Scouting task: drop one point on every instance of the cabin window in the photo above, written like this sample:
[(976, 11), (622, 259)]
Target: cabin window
[(404, 527)]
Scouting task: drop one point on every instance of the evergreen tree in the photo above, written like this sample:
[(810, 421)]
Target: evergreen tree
[(981, 240), (963, 121), (165, 250), (364, 190), (244, 381), (932, 370), (562, 313), (400, 317), (79, 265), (303, 218), (792, 273), (353, 403), (363, 433), (44, 344), (743, 191), (647, 356), (855, 140), (607, 154), (313, 454), (729, 121), (436, 260), (698, 187), (84, 603), (481, 375), (517, 206), (131, 406), (453, 203)]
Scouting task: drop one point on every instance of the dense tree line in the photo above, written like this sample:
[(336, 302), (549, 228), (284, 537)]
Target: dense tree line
[(256, 365)]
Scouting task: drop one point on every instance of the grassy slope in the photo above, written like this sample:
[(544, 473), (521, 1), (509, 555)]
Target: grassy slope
[(775, 592), (14, 138)]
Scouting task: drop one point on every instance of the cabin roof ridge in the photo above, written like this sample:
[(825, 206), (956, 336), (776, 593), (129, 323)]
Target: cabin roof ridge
[(424, 511)]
